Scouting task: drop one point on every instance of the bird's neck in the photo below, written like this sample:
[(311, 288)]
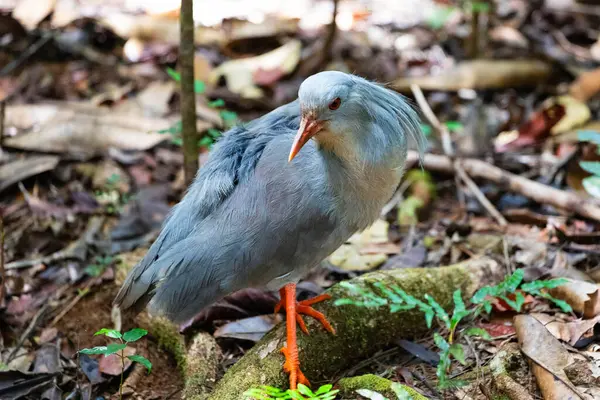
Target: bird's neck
[(363, 180)]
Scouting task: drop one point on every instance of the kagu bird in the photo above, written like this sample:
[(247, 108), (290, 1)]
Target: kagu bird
[(270, 204)]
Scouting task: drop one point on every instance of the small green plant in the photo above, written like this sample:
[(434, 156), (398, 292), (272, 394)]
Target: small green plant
[(98, 268), (303, 392), (118, 348), (110, 196), (591, 184), (229, 118), (397, 299)]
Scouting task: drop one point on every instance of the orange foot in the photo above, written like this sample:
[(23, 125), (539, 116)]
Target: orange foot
[(294, 311)]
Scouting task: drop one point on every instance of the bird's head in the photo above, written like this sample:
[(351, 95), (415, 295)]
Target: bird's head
[(340, 109)]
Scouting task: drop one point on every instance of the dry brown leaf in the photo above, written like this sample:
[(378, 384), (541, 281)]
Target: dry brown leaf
[(586, 85), (351, 257), (577, 113), (548, 356), (31, 12), (591, 307), (20, 169), (240, 74), (575, 292), (111, 365), (567, 331), (82, 130)]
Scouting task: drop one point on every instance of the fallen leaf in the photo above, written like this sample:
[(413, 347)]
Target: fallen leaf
[(591, 307), (534, 131), (497, 329), (111, 365), (586, 86), (549, 358), (21, 169), (252, 329), (31, 12), (350, 256), (240, 74), (577, 113), (82, 130), (576, 293)]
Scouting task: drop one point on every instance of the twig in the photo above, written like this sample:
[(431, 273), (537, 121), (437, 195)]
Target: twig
[(449, 151), (475, 191), (2, 115), (76, 250), (188, 95), (536, 191), (433, 120), (82, 293), (31, 50), (27, 332)]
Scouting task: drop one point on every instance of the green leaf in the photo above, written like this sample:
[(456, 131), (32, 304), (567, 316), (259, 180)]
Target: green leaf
[(439, 310), (480, 6), (113, 348), (94, 350), (142, 360), (458, 351), (176, 76), (305, 390), (426, 129), (481, 294), (111, 333), (199, 87), (535, 286), (478, 332), (593, 167), (520, 300), (177, 141), (400, 391), (591, 184), (206, 141), (134, 334), (215, 133), (487, 305), (429, 318), (216, 103), (228, 116), (512, 283), (440, 342), (454, 126), (589, 136), (324, 389)]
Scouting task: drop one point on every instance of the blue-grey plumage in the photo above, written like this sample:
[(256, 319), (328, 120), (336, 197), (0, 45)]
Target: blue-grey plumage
[(251, 218)]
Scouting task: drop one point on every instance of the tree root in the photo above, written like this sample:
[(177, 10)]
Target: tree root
[(361, 331)]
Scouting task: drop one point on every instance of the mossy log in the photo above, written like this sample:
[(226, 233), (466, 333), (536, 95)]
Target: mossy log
[(360, 331), (349, 386)]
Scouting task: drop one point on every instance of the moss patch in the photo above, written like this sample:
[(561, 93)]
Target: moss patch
[(349, 386)]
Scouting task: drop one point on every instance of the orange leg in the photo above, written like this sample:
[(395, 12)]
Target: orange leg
[(293, 310)]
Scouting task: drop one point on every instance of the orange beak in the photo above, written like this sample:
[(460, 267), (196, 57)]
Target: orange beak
[(308, 128)]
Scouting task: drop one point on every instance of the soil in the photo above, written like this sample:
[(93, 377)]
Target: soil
[(93, 312)]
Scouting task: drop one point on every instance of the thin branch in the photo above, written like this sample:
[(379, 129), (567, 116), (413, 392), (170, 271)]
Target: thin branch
[(475, 191), (539, 192), (188, 96), (433, 120)]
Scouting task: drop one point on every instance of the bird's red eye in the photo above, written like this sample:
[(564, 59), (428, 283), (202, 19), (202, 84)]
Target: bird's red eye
[(335, 104)]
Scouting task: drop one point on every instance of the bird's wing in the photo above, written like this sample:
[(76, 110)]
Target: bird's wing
[(193, 247)]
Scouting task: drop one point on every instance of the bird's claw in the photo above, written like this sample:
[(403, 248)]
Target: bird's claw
[(304, 307), (292, 367)]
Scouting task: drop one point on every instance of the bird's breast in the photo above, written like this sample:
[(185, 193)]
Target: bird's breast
[(363, 190)]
